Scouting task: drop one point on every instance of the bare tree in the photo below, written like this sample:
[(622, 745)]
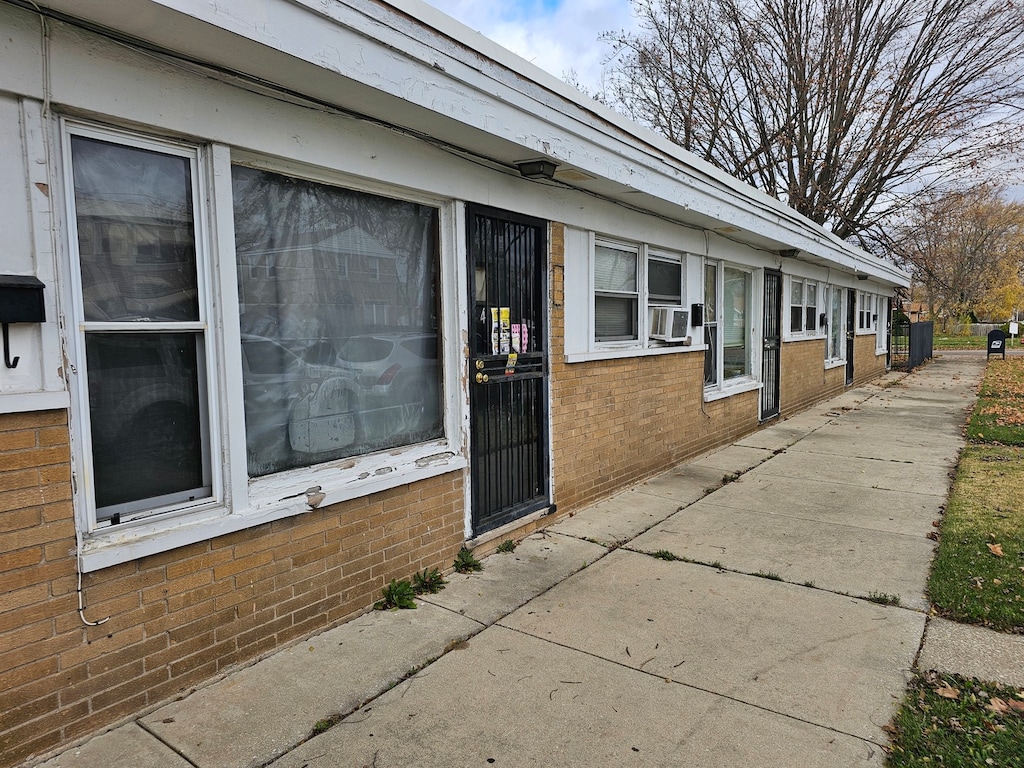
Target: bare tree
[(965, 250), (844, 109)]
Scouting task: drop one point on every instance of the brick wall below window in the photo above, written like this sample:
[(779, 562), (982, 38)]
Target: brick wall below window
[(183, 616)]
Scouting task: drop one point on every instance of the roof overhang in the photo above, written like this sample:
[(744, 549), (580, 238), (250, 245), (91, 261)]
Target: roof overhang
[(408, 65)]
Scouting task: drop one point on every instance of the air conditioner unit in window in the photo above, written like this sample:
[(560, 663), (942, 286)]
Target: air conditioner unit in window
[(669, 324)]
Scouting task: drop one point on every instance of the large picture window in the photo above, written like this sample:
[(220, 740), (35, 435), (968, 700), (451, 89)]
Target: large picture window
[(339, 344), (331, 363)]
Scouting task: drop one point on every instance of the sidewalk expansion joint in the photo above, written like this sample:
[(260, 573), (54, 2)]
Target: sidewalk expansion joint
[(693, 687), (165, 742)]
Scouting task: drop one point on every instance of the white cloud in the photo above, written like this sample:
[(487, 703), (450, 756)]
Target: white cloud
[(558, 36)]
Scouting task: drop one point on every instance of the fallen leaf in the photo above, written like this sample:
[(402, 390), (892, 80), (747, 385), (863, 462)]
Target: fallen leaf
[(996, 549), (998, 706), (947, 691)]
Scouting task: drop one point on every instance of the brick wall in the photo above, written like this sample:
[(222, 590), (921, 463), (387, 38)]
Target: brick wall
[(866, 364), (180, 617), (184, 616), (804, 380), (616, 422)]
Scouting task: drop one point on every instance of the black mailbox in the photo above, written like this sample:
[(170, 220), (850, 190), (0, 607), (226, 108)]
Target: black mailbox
[(21, 301), (996, 343)]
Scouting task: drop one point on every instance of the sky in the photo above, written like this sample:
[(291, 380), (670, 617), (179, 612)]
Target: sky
[(558, 36)]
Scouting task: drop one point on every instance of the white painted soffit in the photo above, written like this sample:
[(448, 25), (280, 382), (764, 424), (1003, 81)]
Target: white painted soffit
[(407, 64)]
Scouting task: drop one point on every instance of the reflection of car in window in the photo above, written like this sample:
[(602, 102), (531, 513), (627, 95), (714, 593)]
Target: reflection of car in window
[(398, 376), (294, 408)]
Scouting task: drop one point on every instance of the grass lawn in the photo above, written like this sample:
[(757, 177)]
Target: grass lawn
[(978, 574), (999, 413), (959, 342), (977, 577), (949, 721)]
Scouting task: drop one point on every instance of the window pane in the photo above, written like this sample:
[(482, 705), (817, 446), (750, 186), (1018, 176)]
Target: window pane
[(835, 331), (710, 292), (136, 234), (614, 318), (735, 323), (797, 293), (665, 281), (337, 294), (812, 307), (796, 319), (711, 354), (614, 269), (146, 420)]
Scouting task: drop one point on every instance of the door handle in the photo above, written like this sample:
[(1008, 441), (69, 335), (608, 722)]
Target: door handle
[(481, 378)]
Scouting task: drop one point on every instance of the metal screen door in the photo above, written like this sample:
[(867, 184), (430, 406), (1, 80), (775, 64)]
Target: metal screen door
[(772, 345), (508, 367)]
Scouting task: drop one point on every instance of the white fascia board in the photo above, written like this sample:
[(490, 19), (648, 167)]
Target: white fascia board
[(418, 56)]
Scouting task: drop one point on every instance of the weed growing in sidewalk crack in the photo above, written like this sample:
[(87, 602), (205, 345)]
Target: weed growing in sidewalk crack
[(466, 563), (506, 546), (768, 575), (883, 598), (397, 594), (428, 582), (664, 554), (323, 725)]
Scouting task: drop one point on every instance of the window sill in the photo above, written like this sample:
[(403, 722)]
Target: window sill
[(130, 541), (800, 337), (880, 352), (728, 390), (614, 353), (17, 402), (830, 364)]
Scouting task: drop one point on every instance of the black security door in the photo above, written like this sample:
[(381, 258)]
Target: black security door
[(508, 367), (772, 345), (851, 332)]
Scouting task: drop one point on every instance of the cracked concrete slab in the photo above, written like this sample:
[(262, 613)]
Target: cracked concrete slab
[(973, 652), (511, 578), (831, 556), (126, 747), (855, 506), (266, 709), (512, 700), (733, 460), (827, 659), (623, 516), (924, 479)]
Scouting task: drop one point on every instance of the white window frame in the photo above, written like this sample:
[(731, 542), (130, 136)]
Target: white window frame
[(867, 313), (645, 254), (831, 290), (238, 502), (721, 388), (882, 325), (636, 296), (818, 331)]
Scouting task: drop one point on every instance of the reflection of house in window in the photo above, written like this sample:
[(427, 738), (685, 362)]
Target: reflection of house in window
[(309, 286), (375, 313)]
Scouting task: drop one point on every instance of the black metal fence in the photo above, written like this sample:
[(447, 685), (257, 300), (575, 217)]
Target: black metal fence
[(910, 344)]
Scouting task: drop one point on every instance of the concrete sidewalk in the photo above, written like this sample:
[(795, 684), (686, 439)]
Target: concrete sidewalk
[(723, 614)]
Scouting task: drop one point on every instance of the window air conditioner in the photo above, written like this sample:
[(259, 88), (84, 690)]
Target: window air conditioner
[(669, 324)]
